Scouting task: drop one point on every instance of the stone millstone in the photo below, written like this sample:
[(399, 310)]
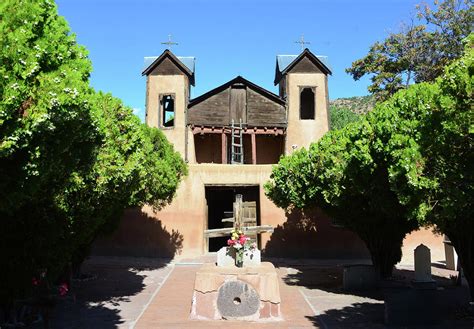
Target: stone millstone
[(237, 299)]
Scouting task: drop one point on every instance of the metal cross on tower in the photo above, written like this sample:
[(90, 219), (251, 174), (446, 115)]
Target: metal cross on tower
[(169, 43), (302, 42)]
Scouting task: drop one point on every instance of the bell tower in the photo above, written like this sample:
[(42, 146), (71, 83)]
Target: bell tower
[(303, 83), (168, 82)]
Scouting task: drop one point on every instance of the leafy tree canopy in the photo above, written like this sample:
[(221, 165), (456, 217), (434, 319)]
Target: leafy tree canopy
[(44, 110), (71, 159), (433, 153), (346, 175), (408, 161), (418, 52), (339, 117)]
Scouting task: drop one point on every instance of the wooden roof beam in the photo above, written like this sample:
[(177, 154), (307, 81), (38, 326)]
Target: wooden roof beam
[(227, 130)]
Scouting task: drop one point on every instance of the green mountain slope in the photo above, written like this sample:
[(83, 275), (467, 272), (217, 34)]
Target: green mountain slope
[(356, 104)]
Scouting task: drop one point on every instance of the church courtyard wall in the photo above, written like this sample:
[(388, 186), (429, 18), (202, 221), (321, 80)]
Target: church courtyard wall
[(178, 229)]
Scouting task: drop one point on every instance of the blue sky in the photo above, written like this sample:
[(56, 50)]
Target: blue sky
[(228, 38)]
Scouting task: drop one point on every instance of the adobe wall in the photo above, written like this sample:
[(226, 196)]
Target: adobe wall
[(424, 236), (303, 132), (168, 84), (188, 214), (178, 228)]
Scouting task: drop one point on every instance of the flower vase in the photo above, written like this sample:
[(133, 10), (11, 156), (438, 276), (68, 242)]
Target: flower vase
[(239, 258)]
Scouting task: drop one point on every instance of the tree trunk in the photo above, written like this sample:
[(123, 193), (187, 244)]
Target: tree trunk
[(385, 251)]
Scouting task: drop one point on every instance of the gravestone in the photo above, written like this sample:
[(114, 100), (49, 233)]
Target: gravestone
[(450, 254), (423, 279)]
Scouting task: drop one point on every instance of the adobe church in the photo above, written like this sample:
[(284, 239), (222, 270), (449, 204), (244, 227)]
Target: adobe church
[(230, 137)]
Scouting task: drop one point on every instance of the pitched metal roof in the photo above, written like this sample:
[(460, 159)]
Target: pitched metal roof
[(285, 60), (186, 63), (189, 62), (284, 63)]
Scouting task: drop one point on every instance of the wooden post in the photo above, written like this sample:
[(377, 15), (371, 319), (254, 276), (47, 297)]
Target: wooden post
[(238, 212), (254, 149), (224, 147)]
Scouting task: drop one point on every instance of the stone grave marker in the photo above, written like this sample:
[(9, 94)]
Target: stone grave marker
[(450, 254), (423, 279)]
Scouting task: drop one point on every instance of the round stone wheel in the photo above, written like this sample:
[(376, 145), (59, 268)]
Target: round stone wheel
[(237, 299)]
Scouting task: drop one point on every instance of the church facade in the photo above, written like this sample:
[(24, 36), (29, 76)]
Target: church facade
[(230, 137)]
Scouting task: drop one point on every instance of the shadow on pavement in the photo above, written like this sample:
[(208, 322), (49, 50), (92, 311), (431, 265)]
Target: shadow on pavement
[(99, 301), (353, 316), (444, 307), (114, 295)]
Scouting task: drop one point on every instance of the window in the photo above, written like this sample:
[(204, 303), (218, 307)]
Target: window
[(307, 103), (167, 111)]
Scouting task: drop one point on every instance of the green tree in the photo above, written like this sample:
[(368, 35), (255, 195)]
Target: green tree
[(71, 160), (428, 134), (345, 175), (447, 147), (408, 161), (135, 164), (418, 52), (339, 117), (46, 134), (44, 113)]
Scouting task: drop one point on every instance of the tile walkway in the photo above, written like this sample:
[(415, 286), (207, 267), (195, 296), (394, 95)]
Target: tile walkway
[(147, 293), (171, 307), (122, 289)]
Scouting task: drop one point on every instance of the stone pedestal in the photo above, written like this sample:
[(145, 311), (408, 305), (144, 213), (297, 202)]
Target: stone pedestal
[(359, 277), (226, 257), (247, 293)]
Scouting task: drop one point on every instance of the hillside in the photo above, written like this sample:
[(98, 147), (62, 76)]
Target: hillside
[(356, 104)]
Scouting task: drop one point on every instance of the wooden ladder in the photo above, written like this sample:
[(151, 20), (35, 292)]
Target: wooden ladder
[(237, 149)]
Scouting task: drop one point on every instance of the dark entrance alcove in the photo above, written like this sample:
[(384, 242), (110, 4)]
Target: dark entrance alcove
[(220, 201)]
